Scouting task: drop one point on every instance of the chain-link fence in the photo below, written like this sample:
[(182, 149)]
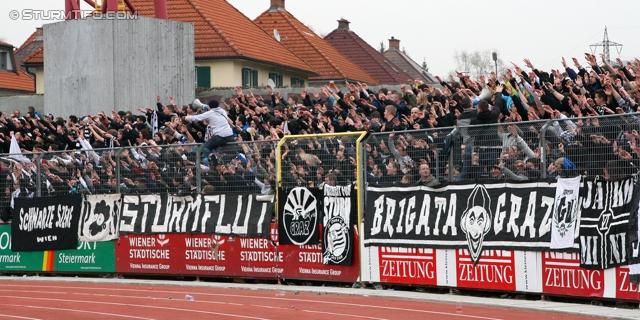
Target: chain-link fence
[(605, 146), (243, 167), (408, 157), (503, 151), (312, 161)]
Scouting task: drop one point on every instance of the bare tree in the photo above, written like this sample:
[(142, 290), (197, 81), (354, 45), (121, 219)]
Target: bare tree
[(476, 63), (405, 51), (382, 49)]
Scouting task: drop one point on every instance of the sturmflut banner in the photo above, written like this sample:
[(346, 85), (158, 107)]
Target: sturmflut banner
[(100, 218), (503, 216), (238, 215), (46, 223)]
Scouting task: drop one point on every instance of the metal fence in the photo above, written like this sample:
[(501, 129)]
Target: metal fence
[(177, 169), (397, 158), (313, 160), (534, 150)]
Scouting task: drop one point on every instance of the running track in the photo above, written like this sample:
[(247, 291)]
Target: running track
[(50, 299)]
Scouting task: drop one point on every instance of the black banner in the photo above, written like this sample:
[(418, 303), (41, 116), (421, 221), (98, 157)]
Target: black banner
[(47, 223), (238, 215), (512, 216), (298, 215), (633, 231), (339, 204), (606, 207)]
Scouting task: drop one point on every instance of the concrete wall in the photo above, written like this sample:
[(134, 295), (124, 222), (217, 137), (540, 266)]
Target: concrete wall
[(93, 65), (21, 102)]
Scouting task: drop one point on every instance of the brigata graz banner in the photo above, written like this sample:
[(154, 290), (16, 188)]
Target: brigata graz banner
[(513, 216), (239, 215)]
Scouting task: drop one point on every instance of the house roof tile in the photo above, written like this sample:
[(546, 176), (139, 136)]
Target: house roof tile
[(365, 56), (221, 31), (409, 66), (318, 53), (15, 80), (36, 57)]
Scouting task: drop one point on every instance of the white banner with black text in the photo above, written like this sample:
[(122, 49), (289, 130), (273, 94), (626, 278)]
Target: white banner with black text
[(238, 215)]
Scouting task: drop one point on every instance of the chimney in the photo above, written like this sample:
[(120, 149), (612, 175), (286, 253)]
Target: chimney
[(394, 44), (38, 34), (343, 24), (277, 5)]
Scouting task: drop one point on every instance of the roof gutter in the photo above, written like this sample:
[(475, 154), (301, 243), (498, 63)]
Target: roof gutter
[(32, 75)]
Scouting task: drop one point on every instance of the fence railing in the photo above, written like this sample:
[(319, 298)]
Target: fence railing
[(604, 145)]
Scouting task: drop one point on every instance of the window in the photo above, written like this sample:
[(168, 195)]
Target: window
[(203, 77), (277, 79), (4, 58), (249, 77), (297, 82)]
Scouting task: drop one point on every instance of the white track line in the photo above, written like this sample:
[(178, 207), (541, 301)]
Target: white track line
[(76, 310), (269, 307), (344, 315), (18, 317), (137, 305), (286, 299)]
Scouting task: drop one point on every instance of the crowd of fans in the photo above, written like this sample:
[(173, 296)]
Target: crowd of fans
[(80, 151)]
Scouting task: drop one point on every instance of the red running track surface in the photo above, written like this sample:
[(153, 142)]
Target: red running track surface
[(58, 300)]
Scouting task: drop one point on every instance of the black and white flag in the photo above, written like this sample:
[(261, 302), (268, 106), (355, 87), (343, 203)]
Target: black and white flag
[(606, 207), (339, 204), (565, 213), (46, 223), (298, 215), (633, 234), (502, 216), (100, 218), (237, 215)]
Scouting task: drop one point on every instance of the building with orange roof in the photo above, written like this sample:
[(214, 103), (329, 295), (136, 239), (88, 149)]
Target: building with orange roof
[(230, 48), (34, 64), (13, 80), (364, 55), (33, 43), (313, 49)]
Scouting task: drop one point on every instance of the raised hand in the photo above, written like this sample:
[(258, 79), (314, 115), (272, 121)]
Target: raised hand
[(527, 63), (576, 63)]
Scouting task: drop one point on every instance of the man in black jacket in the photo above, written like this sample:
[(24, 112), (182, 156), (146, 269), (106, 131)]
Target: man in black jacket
[(486, 116)]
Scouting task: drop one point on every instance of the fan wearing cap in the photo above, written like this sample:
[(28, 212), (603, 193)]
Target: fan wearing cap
[(219, 131)]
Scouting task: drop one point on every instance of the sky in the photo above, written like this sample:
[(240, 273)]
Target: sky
[(433, 31)]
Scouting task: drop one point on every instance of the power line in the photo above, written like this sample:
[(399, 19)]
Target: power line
[(605, 44)]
